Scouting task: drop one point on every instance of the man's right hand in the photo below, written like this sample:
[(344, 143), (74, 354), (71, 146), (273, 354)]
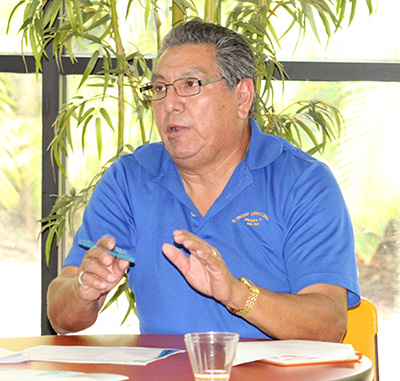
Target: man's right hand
[(76, 296), (99, 272)]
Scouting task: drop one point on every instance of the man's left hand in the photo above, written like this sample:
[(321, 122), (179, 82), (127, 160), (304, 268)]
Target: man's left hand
[(204, 269)]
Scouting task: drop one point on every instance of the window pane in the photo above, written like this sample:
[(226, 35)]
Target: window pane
[(84, 162), (20, 204), (134, 34), (366, 37), (367, 166), (11, 42)]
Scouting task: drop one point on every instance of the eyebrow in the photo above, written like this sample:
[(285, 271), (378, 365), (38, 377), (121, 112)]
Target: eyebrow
[(185, 74)]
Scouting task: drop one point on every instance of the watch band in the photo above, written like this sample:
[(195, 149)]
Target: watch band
[(251, 300)]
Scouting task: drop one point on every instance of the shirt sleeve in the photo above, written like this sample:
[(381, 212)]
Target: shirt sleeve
[(319, 241)]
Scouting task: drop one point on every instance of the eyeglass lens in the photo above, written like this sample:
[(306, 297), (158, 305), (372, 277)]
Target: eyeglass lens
[(184, 87)]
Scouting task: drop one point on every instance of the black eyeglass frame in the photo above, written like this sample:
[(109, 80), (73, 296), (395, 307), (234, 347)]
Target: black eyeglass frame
[(200, 82)]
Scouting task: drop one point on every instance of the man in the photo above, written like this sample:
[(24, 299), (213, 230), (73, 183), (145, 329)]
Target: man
[(216, 201)]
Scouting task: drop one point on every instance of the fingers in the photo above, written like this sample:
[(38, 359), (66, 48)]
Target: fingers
[(99, 269), (197, 246), (176, 257), (108, 243), (204, 269)]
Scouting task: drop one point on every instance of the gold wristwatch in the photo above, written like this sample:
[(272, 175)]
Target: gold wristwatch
[(251, 300)]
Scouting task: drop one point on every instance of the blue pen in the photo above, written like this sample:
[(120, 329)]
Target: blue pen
[(117, 252)]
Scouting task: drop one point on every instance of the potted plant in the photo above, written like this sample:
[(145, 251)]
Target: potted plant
[(69, 24)]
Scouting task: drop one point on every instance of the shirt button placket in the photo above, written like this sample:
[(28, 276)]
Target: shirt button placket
[(194, 221)]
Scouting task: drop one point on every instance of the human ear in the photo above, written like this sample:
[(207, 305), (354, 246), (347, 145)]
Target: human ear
[(245, 93)]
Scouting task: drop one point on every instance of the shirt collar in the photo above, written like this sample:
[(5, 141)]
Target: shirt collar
[(263, 150)]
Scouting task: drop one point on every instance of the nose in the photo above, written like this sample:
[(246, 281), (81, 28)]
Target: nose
[(172, 101)]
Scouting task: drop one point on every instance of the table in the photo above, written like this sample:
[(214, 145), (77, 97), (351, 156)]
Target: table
[(177, 367)]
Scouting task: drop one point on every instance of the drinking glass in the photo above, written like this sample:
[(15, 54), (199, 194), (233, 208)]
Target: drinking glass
[(211, 354)]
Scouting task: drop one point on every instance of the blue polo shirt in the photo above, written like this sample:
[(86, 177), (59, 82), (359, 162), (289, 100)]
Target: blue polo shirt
[(281, 222)]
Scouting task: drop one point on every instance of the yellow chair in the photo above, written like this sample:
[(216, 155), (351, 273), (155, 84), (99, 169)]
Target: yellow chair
[(362, 331)]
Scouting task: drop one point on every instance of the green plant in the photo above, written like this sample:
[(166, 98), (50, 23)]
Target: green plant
[(70, 25)]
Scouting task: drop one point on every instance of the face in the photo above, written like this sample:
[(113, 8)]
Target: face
[(202, 128)]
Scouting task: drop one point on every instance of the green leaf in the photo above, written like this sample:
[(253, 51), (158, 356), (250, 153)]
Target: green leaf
[(51, 12), (308, 132), (56, 156), (250, 28), (120, 290), (35, 52), (49, 242), (70, 15), (130, 147), (88, 119), (184, 4), (94, 39), (78, 13), (68, 46), (128, 8), (107, 62), (325, 21), (341, 10), (89, 68), (147, 10), (308, 12), (100, 22), (318, 148), (273, 33), (60, 230), (106, 117), (80, 113), (39, 32), (132, 304), (369, 3), (86, 115), (25, 24), (50, 217), (99, 138), (12, 14)]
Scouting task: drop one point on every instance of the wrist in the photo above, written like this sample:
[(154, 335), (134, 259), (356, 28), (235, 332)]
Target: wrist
[(247, 304), (239, 295)]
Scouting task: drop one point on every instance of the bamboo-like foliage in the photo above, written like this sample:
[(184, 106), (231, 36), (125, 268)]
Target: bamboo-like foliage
[(67, 23)]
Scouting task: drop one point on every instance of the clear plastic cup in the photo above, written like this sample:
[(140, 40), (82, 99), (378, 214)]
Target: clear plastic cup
[(211, 354)]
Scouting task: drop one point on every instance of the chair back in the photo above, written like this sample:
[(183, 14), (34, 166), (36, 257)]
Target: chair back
[(362, 331)]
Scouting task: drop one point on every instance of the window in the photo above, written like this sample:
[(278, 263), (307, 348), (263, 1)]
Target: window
[(20, 203), (367, 38)]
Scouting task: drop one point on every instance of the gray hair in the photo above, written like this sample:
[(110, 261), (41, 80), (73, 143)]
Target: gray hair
[(234, 55)]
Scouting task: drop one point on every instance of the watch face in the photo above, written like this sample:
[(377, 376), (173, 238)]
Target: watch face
[(249, 282)]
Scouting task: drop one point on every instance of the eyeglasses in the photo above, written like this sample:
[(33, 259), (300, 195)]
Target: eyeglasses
[(184, 87)]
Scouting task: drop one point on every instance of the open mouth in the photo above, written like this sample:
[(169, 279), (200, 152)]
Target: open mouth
[(175, 130)]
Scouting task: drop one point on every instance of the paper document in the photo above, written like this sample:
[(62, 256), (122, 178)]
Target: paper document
[(91, 355), (50, 375), (294, 352), (9, 357)]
